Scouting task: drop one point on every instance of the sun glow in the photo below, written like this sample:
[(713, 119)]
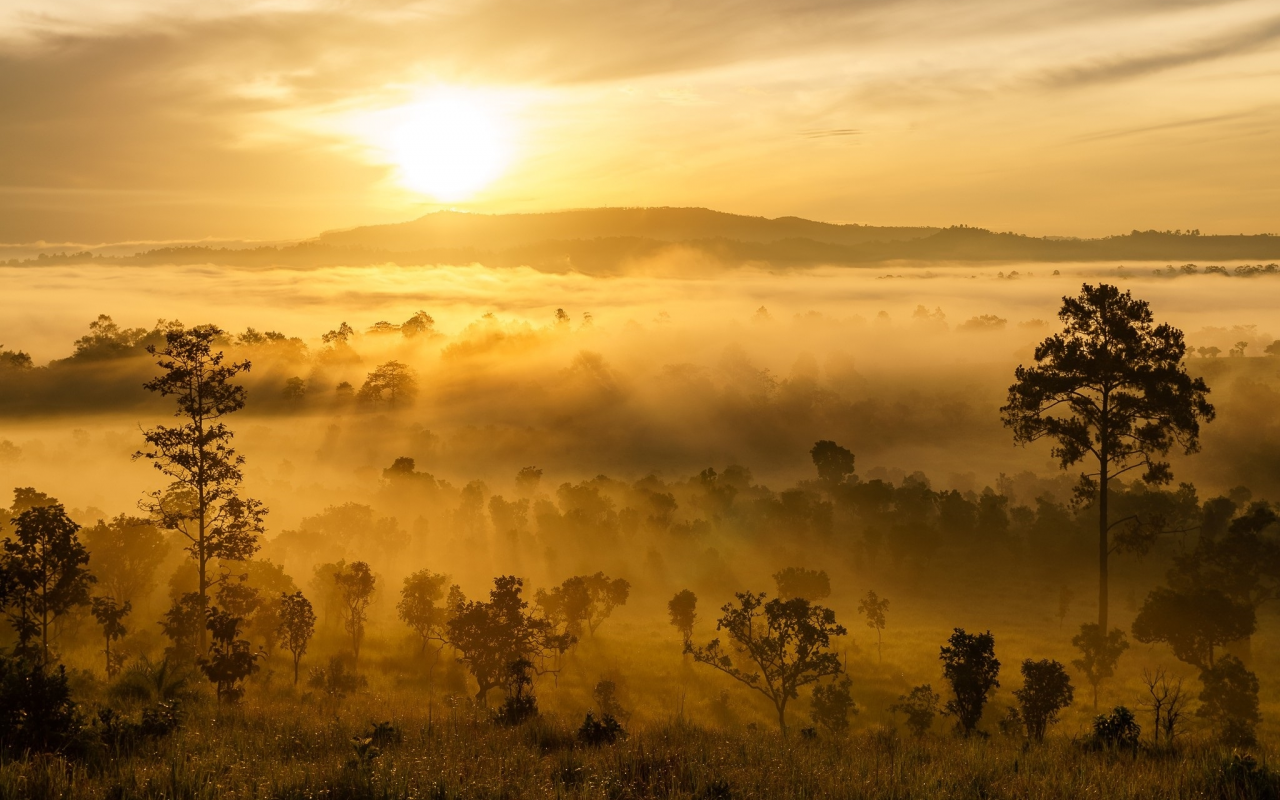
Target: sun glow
[(449, 143)]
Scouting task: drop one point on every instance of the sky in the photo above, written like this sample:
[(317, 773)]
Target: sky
[(174, 120)]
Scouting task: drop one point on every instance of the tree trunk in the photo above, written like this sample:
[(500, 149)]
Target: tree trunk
[(1103, 543), (782, 718), (296, 659)]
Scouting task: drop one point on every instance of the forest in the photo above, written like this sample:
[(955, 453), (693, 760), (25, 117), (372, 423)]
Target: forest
[(553, 560)]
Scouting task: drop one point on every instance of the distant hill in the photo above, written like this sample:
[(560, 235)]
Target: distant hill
[(495, 232), (607, 241)]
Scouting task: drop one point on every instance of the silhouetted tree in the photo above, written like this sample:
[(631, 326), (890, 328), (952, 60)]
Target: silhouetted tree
[(1099, 654), (584, 601), (1065, 597), (527, 479), (43, 575), (356, 584), (1046, 690), (202, 500), (683, 609), (1168, 704), (1110, 387), (295, 389), (230, 660), (393, 383), (873, 607), (182, 624), (1229, 701), (297, 625), (421, 605), (812, 585), (782, 645), (833, 704), (420, 324), (126, 552), (492, 636), (1193, 623), (921, 706), (1243, 562), (111, 617), (969, 664), (834, 463)]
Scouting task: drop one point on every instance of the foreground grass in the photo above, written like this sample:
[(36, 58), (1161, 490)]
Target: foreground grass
[(284, 748)]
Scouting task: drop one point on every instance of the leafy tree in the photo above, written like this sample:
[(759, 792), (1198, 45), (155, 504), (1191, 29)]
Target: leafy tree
[(1046, 690), (921, 706), (202, 501), (295, 389), (126, 552), (1229, 701), (1099, 654), (812, 585), (356, 584), (421, 606), (833, 704), (583, 602), (15, 360), (230, 659), (492, 636), (969, 664), (392, 383), (1243, 562), (111, 617), (182, 624), (873, 607), (297, 625), (781, 645), (1193, 623), (1111, 388), (834, 463), (683, 609), (420, 324), (43, 575)]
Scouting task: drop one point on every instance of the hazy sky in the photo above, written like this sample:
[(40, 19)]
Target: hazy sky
[(175, 119)]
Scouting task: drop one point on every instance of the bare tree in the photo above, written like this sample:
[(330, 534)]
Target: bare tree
[(1168, 704)]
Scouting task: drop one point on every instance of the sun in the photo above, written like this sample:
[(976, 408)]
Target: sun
[(449, 143)]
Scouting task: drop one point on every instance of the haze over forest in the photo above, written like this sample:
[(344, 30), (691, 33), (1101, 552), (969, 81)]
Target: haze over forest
[(611, 400)]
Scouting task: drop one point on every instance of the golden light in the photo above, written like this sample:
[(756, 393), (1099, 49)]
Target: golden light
[(449, 143)]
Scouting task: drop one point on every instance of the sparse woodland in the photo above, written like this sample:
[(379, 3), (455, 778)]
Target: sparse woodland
[(1107, 629)]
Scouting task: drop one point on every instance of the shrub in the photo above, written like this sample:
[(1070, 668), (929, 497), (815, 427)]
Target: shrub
[(336, 680), (36, 709), (1117, 730), (595, 732)]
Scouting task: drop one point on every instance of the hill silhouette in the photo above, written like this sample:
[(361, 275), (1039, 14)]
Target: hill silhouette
[(607, 241)]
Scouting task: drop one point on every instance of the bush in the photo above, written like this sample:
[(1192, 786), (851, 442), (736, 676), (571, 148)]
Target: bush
[(36, 710), (1117, 730), (515, 710), (833, 704), (1045, 691), (921, 706), (595, 732), (1242, 776), (336, 680)]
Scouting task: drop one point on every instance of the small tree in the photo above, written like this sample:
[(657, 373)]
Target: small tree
[(834, 463), (782, 644), (1229, 701), (356, 584), (492, 636), (111, 617), (43, 575), (1065, 597), (683, 609), (1046, 690), (202, 499), (1110, 389), (873, 608), (1193, 623), (833, 705), (230, 660), (583, 602), (921, 706), (297, 625), (1099, 654), (969, 664), (421, 606)]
